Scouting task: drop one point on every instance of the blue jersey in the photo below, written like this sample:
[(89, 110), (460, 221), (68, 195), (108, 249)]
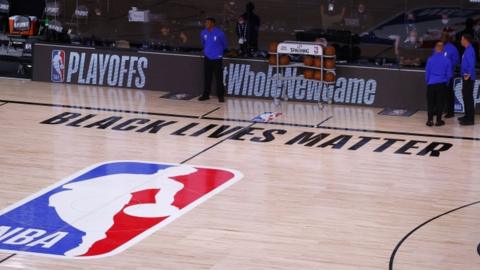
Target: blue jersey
[(469, 60), (214, 43), (451, 53), (439, 69)]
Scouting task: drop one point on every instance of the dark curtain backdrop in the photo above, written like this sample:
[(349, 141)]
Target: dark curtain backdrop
[(27, 7)]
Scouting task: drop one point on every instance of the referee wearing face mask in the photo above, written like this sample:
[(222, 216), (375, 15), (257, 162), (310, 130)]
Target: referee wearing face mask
[(438, 75), (469, 77)]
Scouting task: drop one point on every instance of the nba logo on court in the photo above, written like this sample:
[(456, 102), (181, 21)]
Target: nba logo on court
[(58, 66), (107, 208)]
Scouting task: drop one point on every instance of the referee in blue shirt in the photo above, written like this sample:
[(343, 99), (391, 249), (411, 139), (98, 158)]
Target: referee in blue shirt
[(451, 52), (468, 74), (438, 75), (214, 44)]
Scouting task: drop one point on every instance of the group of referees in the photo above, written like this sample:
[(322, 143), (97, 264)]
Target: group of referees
[(440, 81)]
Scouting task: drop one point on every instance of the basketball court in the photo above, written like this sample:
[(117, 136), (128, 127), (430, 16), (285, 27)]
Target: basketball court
[(319, 187)]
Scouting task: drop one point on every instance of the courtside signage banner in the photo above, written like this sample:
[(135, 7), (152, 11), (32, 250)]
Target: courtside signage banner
[(183, 74), (107, 208), (116, 68)]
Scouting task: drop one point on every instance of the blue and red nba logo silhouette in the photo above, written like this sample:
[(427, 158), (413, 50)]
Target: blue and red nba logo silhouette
[(107, 208), (58, 66), (266, 117)]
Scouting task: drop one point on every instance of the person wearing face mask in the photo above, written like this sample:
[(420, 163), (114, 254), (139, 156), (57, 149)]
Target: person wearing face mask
[(362, 16), (410, 23), (446, 26), (412, 41), (331, 14), (241, 31), (445, 21), (252, 21)]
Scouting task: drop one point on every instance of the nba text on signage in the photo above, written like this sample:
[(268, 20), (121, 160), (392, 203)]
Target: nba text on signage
[(253, 134), (105, 69)]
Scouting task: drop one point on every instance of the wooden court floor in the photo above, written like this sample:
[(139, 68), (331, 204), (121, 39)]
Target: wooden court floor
[(330, 187)]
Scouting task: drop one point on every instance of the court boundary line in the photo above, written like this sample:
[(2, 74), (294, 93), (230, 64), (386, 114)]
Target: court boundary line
[(401, 133), (216, 144), (399, 244), (12, 254), (324, 121), (210, 112), (8, 257), (97, 109)]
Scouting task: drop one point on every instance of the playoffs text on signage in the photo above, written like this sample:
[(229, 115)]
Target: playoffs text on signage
[(102, 69), (107, 208)]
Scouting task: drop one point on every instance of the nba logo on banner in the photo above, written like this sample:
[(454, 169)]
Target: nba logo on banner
[(107, 208), (58, 66)]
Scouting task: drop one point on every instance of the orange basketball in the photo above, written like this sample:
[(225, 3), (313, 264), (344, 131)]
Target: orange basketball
[(329, 77), (308, 74), (284, 60), (317, 62), (318, 75), (272, 60), (308, 61), (329, 63), (330, 50), (273, 47)]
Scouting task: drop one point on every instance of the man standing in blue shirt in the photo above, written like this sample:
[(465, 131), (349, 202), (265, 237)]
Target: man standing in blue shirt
[(438, 75), (468, 74), (452, 54), (214, 44)]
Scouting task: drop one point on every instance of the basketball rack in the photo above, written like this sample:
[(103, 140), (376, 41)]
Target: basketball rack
[(313, 49)]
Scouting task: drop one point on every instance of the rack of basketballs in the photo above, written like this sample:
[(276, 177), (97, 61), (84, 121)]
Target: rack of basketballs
[(312, 67)]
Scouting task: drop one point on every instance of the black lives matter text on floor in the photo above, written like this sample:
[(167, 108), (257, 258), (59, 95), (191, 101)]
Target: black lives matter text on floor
[(255, 134)]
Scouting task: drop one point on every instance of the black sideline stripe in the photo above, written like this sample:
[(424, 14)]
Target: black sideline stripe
[(210, 112), (7, 258), (248, 121)]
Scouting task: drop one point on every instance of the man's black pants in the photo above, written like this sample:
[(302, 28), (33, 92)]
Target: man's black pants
[(213, 68), (468, 101), (450, 109), (436, 100)]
